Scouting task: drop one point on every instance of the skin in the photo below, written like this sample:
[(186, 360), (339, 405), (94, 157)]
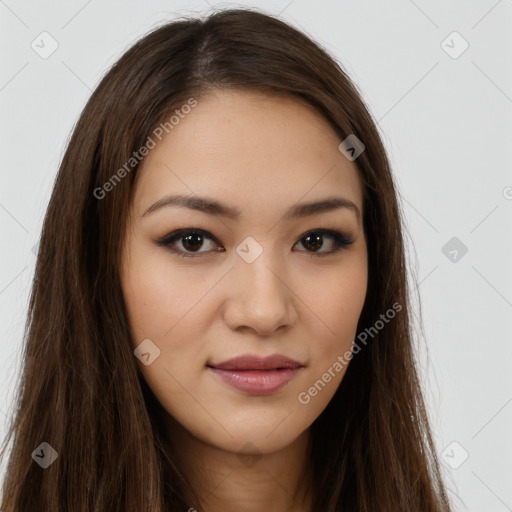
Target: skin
[(262, 155)]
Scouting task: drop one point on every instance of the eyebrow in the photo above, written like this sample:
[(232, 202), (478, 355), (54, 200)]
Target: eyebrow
[(214, 207)]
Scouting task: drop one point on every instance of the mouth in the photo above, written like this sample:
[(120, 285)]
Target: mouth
[(255, 375)]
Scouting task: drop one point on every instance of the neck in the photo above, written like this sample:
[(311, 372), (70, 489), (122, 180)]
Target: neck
[(223, 481)]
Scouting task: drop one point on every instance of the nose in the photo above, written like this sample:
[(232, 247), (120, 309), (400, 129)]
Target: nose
[(259, 298)]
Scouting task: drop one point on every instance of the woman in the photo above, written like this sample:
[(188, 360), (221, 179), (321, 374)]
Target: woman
[(219, 317)]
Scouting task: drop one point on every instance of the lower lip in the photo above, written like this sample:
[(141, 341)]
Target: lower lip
[(257, 382)]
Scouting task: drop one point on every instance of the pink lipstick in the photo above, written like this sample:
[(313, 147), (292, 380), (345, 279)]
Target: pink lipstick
[(255, 375)]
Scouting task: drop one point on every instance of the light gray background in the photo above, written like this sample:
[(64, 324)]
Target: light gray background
[(446, 123)]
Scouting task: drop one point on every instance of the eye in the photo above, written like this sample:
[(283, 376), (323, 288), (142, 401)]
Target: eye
[(192, 239), (314, 239)]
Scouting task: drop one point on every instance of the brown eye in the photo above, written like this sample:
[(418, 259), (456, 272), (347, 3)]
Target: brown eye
[(314, 240), (192, 240)]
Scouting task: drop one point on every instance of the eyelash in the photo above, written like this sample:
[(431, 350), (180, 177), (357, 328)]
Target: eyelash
[(341, 241)]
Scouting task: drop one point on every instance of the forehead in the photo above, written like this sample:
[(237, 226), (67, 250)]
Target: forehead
[(251, 150)]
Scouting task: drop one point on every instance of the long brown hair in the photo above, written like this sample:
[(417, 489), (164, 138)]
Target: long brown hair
[(81, 390)]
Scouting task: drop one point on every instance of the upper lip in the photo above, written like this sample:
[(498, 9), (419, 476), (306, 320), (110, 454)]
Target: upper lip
[(250, 362)]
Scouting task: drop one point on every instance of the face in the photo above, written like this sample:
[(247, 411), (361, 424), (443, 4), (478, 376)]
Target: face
[(248, 272)]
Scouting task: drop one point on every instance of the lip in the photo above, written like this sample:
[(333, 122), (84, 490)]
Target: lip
[(256, 375), (251, 362)]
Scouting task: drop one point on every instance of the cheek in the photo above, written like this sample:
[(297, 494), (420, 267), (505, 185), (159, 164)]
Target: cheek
[(339, 304), (157, 295), (164, 306)]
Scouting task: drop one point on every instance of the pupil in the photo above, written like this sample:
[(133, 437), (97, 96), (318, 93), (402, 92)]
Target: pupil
[(317, 242), (192, 246)]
